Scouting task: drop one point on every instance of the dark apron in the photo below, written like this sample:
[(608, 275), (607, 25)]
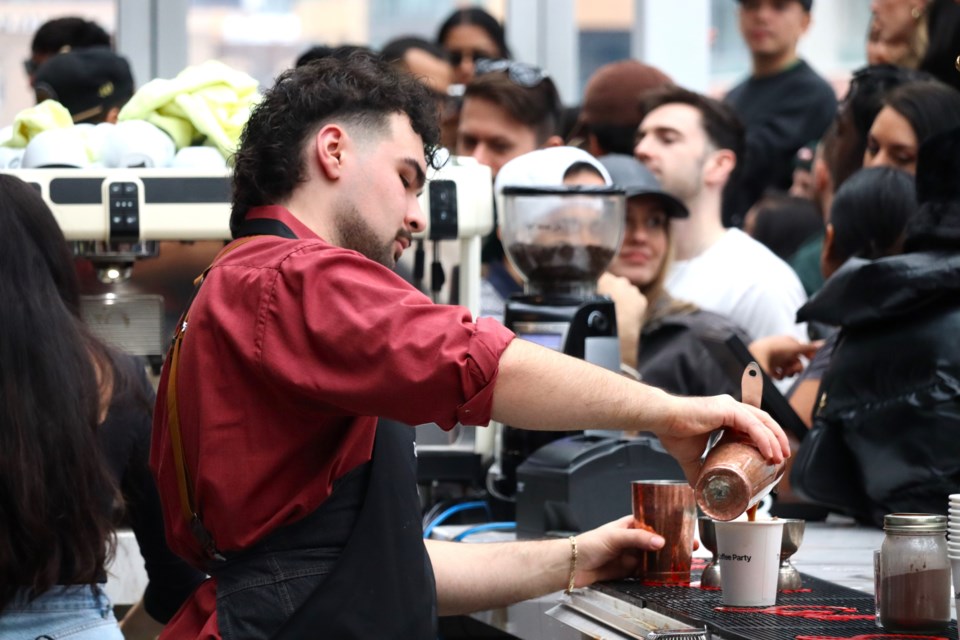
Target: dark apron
[(304, 581)]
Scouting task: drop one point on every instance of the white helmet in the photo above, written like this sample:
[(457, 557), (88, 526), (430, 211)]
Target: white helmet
[(10, 158), (199, 158), (137, 143), (56, 148)]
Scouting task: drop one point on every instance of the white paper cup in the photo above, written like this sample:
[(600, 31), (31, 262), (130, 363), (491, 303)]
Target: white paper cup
[(749, 556)]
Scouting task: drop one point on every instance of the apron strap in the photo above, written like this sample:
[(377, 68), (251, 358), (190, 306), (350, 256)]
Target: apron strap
[(184, 485)]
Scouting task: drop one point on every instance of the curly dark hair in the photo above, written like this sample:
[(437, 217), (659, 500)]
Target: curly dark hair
[(360, 90)]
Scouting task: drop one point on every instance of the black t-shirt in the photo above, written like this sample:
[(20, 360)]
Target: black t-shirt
[(781, 113)]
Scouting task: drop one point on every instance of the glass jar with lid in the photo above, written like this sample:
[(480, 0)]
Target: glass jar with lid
[(914, 573)]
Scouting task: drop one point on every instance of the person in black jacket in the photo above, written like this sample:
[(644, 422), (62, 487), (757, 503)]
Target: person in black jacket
[(892, 390), (784, 104)]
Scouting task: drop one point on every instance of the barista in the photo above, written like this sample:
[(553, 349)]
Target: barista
[(302, 333)]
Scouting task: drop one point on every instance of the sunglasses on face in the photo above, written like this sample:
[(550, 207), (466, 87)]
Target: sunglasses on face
[(476, 55), (521, 73)]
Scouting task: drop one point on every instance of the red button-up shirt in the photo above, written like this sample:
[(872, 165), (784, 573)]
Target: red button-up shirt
[(292, 350)]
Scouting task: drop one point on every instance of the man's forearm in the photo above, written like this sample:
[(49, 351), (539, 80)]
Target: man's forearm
[(541, 389), (476, 577)]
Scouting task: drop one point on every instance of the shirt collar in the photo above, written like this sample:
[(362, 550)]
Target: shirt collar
[(276, 212)]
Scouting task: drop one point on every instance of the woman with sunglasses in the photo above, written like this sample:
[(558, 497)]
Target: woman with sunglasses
[(470, 35)]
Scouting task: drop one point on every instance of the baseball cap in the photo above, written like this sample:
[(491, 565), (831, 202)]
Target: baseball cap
[(632, 176), (806, 4), (612, 94), (86, 81), (544, 168)]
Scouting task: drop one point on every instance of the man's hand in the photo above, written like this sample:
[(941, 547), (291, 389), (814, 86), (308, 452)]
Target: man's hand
[(693, 419), (612, 551), (780, 355), (631, 306)]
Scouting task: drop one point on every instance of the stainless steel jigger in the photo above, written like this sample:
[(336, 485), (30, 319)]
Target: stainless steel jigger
[(789, 578), (710, 579)]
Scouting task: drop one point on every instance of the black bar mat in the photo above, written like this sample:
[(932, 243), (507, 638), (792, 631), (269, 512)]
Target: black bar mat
[(820, 610)]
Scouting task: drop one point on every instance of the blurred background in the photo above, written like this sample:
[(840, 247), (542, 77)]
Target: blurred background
[(701, 49)]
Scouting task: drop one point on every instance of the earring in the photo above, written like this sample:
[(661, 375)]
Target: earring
[(957, 63), (916, 13)]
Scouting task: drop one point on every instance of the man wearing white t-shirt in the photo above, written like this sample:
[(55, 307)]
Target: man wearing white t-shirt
[(690, 143)]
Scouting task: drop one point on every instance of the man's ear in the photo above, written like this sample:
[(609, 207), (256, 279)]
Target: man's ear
[(821, 176), (719, 166), (330, 142), (828, 261)]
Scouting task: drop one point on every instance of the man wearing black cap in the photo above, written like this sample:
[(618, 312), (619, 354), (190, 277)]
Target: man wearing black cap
[(92, 83), (784, 104)]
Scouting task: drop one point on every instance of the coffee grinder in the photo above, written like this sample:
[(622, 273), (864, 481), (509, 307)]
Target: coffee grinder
[(560, 240)]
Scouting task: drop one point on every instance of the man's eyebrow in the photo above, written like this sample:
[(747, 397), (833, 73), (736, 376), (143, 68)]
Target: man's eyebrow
[(421, 176), (660, 130)]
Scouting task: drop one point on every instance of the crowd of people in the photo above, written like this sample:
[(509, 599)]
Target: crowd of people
[(265, 496)]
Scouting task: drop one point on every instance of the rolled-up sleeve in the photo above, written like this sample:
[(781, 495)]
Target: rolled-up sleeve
[(484, 349)]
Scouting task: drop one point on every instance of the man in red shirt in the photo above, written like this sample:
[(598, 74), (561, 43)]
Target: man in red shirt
[(274, 475)]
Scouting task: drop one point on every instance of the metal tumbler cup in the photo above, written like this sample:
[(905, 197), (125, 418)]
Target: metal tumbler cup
[(667, 507)]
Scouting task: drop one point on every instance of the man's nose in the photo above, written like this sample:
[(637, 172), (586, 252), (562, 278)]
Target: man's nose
[(481, 153), (642, 151), (415, 220)]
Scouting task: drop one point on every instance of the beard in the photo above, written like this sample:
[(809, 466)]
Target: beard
[(356, 234)]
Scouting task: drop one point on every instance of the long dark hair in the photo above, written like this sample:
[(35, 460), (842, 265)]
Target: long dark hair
[(870, 213), (930, 107), (55, 491), (479, 18), (943, 24)]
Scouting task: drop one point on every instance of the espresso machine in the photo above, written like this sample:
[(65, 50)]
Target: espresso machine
[(141, 235), (560, 240)]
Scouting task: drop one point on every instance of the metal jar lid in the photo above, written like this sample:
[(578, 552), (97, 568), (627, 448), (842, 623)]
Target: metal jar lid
[(915, 522)]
